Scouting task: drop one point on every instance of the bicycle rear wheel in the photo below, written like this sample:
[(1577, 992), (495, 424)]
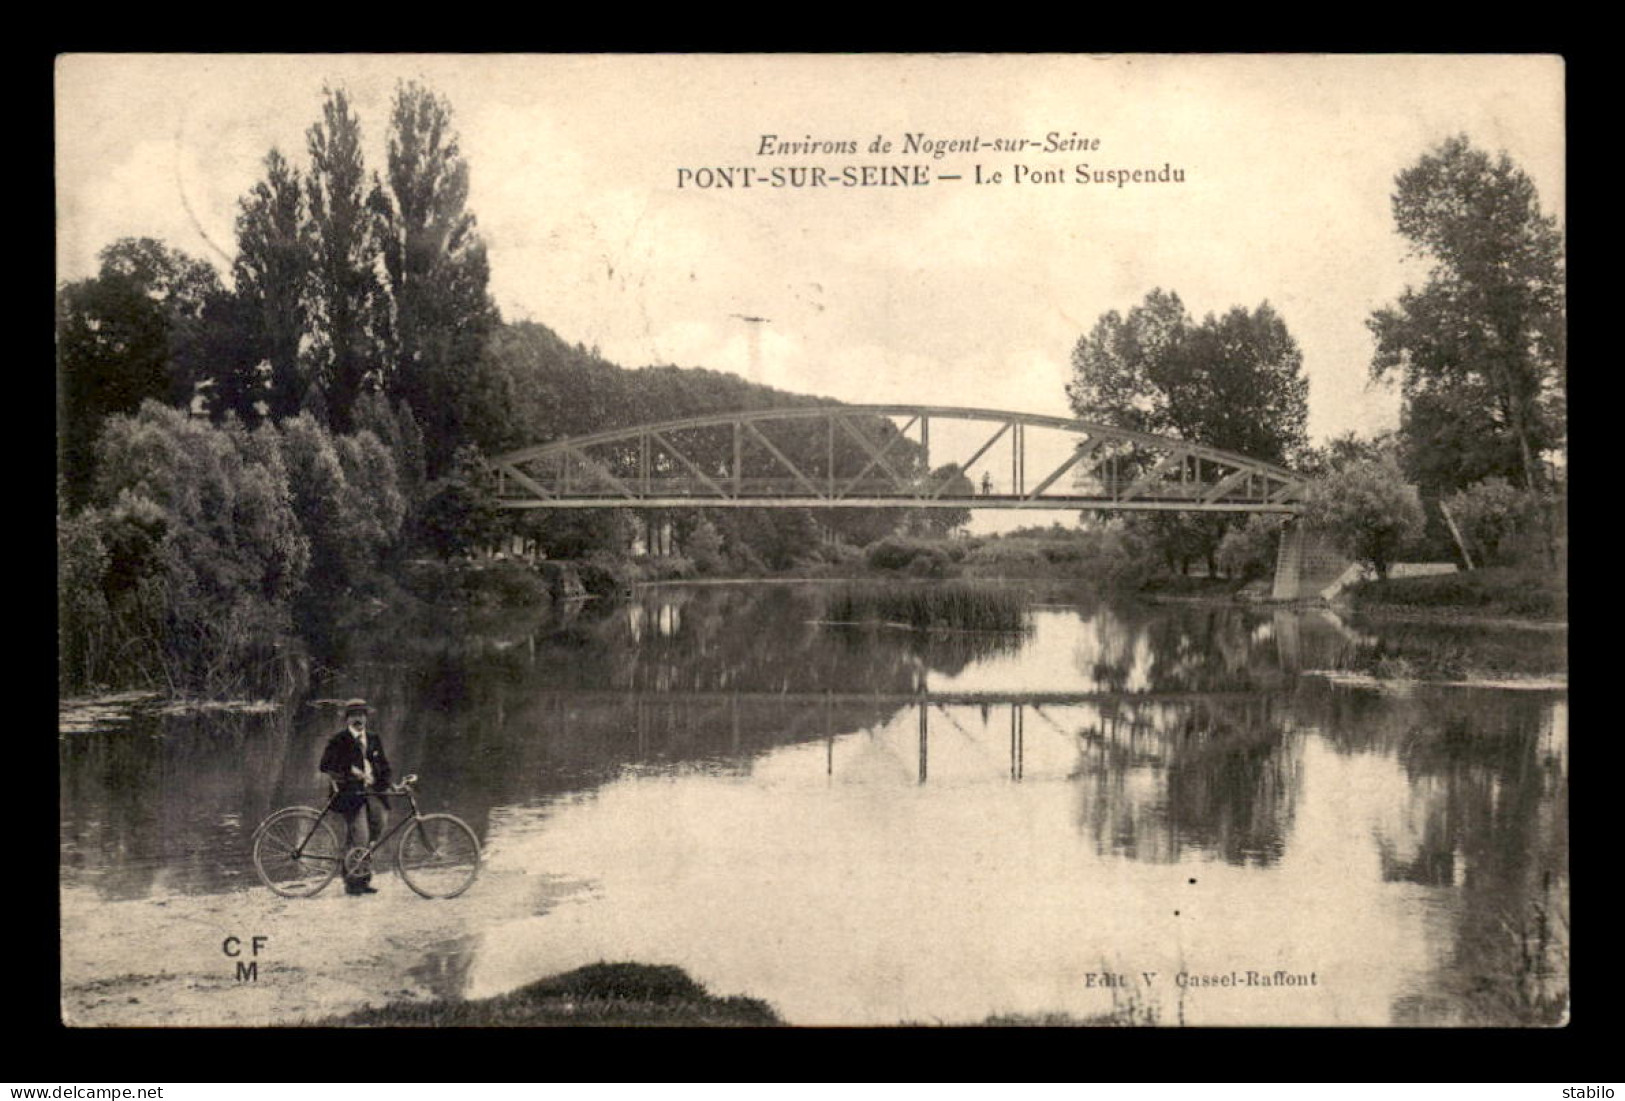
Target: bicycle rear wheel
[(296, 852), (439, 856)]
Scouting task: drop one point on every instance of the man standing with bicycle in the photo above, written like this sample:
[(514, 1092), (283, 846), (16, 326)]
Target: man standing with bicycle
[(354, 761)]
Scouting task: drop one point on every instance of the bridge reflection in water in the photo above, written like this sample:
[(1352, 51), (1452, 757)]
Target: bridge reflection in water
[(1154, 775)]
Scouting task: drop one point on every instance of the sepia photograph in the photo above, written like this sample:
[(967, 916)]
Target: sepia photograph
[(809, 540)]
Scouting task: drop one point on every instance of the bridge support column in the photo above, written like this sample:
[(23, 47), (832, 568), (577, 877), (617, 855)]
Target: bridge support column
[(1307, 564)]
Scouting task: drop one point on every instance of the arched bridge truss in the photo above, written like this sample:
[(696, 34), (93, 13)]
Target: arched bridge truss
[(882, 456)]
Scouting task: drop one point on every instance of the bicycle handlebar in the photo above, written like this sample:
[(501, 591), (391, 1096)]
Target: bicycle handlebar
[(402, 788)]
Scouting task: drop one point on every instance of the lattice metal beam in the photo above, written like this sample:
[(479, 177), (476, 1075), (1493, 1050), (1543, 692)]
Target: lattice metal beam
[(672, 450), (788, 465), (668, 471), (877, 456)]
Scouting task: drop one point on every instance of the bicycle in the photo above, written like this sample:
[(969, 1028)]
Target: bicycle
[(297, 851)]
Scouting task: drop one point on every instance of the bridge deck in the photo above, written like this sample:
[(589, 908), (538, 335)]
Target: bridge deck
[(989, 501)]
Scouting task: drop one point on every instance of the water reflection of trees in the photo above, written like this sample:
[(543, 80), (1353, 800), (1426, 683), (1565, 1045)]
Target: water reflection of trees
[(1213, 775), (167, 799), (1202, 649), (1486, 823), (751, 640)]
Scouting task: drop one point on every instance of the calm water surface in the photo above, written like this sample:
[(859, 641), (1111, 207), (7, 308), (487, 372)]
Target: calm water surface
[(1127, 809)]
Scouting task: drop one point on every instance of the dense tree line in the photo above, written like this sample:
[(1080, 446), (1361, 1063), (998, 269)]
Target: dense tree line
[(1476, 469), (345, 286), (1232, 382), (201, 546), (1480, 352), (1480, 349), (353, 373)]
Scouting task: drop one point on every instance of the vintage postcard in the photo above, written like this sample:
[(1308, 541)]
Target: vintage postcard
[(812, 540)]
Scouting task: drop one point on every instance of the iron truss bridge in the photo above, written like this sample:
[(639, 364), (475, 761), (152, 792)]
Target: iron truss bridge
[(884, 456)]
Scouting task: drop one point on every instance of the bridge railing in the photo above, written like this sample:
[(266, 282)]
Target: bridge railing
[(1103, 488)]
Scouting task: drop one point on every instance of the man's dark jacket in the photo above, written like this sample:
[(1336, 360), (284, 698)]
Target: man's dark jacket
[(343, 753)]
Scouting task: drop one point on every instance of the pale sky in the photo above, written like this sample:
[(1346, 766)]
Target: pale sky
[(952, 293)]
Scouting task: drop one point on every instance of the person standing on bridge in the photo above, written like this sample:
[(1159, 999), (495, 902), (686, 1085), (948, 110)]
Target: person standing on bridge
[(354, 761), (987, 484)]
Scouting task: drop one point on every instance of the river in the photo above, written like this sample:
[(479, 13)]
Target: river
[(1156, 814)]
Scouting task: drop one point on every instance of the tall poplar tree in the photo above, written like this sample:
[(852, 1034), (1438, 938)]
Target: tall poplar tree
[(272, 276), (437, 274), (345, 301)]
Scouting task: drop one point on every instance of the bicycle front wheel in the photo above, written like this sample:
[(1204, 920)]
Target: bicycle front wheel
[(296, 852), (439, 856)]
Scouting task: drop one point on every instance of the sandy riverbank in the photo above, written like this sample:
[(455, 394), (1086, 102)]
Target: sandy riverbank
[(163, 960)]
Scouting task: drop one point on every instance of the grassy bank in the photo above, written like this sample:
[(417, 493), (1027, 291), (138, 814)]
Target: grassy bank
[(606, 994), (1455, 652), (635, 995), (1490, 593)]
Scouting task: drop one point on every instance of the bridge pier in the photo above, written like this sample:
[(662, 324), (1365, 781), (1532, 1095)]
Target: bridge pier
[(1307, 565)]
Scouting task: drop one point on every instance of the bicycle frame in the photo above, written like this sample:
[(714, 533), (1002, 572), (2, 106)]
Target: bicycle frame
[(407, 791)]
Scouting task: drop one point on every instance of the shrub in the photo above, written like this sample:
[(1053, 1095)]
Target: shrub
[(1006, 553), (1367, 510), (1492, 515), (1249, 552), (201, 553), (666, 567), (605, 576), (82, 614), (505, 584), (705, 548), (930, 562), (897, 552), (842, 553)]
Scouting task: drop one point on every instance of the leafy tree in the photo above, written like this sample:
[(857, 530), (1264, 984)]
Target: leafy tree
[(1492, 514), (1480, 348), (576, 533), (1248, 552), (1235, 383), (458, 515), (272, 272), (437, 272), (1122, 367), (704, 546), (373, 491), (1367, 510), (347, 306), (130, 333), (941, 521), (1350, 447), (343, 544), (397, 428), (203, 550), (1180, 538), (1232, 382)]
